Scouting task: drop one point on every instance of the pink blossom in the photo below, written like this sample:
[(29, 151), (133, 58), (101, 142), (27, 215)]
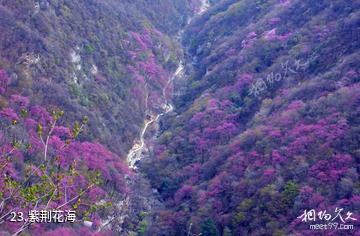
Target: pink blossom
[(56, 143), (62, 131), (269, 173), (249, 40), (19, 100), (277, 157), (100, 79), (41, 114), (212, 104), (201, 197), (183, 192), (276, 133), (9, 114), (352, 74)]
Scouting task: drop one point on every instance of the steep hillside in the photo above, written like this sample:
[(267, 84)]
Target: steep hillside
[(79, 55), (235, 117), (78, 78), (267, 125)]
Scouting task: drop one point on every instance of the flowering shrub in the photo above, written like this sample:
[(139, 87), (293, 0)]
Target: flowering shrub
[(227, 162), (43, 167)]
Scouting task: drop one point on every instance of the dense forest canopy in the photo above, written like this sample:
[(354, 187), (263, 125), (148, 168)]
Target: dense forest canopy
[(180, 117)]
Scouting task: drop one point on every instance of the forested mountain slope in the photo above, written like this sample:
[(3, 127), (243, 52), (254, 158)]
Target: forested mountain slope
[(77, 79), (80, 55), (265, 123), (268, 124)]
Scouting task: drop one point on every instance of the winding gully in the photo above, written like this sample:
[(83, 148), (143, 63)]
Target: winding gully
[(148, 198), (135, 153)]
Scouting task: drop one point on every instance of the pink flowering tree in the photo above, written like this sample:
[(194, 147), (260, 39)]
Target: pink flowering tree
[(42, 183), (44, 167)]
